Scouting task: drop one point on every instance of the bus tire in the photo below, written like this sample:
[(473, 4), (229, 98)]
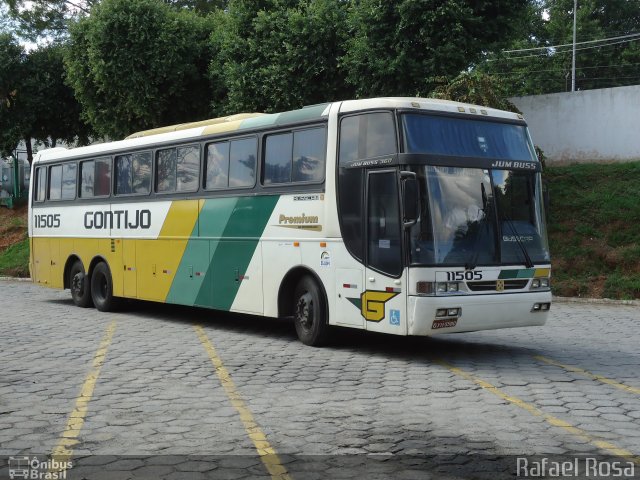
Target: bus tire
[(310, 313), (102, 288), (80, 286)]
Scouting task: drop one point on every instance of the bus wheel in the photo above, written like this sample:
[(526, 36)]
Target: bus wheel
[(102, 288), (310, 313), (79, 286)]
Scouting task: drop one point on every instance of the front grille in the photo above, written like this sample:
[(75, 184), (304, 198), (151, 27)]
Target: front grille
[(491, 286)]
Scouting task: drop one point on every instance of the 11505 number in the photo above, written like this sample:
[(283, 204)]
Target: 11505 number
[(47, 221), (460, 276)]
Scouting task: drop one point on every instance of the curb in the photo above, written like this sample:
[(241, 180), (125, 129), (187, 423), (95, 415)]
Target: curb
[(596, 301), (16, 279)]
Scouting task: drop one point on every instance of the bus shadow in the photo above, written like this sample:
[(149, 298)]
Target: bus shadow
[(455, 348)]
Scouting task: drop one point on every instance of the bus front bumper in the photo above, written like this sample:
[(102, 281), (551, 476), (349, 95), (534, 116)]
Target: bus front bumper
[(477, 312)]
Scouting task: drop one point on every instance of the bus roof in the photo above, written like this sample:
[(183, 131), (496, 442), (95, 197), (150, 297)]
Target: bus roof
[(248, 121)]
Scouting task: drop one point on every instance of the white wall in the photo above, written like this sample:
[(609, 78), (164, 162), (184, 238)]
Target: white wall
[(586, 126)]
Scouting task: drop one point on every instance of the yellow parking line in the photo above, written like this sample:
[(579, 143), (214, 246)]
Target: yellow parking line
[(64, 450), (267, 453), (588, 374), (550, 419)]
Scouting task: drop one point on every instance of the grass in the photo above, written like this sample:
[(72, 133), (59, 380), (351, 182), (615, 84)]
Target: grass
[(594, 229), (14, 261), (14, 244)]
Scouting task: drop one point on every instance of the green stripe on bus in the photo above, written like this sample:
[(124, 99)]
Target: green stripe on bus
[(191, 275), (238, 228), (509, 274)]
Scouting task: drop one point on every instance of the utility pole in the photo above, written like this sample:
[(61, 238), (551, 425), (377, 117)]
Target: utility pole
[(573, 61)]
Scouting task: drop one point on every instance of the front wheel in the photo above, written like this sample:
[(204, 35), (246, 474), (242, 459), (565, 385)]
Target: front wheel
[(79, 286), (102, 288), (310, 313)]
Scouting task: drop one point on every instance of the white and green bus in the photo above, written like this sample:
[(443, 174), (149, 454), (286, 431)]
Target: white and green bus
[(407, 216)]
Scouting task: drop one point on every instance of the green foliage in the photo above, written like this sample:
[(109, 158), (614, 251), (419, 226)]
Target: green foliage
[(203, 7), (594, 229), (277, 55), (138, 65), (14, 261), (36, 103), (48, 104), (475, 88), (549, 70), (11, 67), (398, 46), (46, 18)]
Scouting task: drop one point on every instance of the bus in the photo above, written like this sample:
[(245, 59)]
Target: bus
[(407, 216)]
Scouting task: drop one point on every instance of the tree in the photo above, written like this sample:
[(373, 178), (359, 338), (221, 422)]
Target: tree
[(37, 104), (202, 7), (475, 88), (11, 68), (139, 65), (46, 18), (36, 19), (47, 105), (397, 47), (599, 64), (275, 55)]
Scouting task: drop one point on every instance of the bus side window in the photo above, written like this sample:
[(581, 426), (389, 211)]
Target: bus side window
[(41, 184), (309, 151), (69, 179), (95, 178), (277, 158), (366, 136), (242, 162), (133, 173), (178, 169), (55, 182), (188, 168), (217, 168), (87, 178), (166, 170), (141, 171), (123, 175)]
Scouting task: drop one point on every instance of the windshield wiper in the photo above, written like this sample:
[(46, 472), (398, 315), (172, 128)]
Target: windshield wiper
[(471, 263), (523, 249)]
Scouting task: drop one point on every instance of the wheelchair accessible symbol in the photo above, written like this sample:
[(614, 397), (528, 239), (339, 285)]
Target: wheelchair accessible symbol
[(394, 317)]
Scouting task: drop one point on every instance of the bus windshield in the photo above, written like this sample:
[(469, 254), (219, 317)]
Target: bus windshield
[(438, 135), (474, 216)]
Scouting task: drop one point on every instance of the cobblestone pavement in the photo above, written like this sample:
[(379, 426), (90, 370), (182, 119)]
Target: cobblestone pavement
[(145, 393)]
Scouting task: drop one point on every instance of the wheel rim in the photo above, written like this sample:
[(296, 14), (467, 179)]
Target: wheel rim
[(77, 284), (304, 311)]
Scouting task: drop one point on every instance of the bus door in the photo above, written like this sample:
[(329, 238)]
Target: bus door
[(384, 298)]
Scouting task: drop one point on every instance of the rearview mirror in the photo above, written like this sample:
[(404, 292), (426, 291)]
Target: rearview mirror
[(410, 199)]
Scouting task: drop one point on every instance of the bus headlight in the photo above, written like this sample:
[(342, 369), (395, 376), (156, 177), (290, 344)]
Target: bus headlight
[(541, 307), (444, 287), (540, 283)]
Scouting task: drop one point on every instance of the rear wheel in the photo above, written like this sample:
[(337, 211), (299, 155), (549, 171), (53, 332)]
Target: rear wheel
[(102, 288), (80, 286), (310, 313)]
